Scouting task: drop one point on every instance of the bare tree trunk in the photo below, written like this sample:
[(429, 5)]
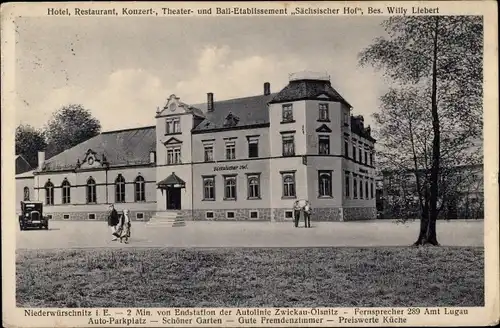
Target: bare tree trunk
[(427, 233), (431, 237)]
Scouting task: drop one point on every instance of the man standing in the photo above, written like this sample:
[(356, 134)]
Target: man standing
[(113, 220), (296, 212), (307, 215)]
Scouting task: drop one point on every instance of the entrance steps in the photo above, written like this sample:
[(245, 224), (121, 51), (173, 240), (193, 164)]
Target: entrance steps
[(167, 218)]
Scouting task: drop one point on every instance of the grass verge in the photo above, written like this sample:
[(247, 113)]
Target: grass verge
[(248, 277)]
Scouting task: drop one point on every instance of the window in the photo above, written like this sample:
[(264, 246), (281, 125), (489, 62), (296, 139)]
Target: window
[(26, 194), (49, 193), (371, 159), (173, 126), (324, 145), (254, 214), (288, 214), (287, 113), (66, 192), (140, 190), (209, 215), (120, 189), (139, 216), (361, 188), (366, 157), (209, 153), (230, 150), (253, 147), (230, 215), (174, 155), (371, 189), (346, 148), (360, 155), (325, 183), (288, 145), (323, 112), (355, 187), (230, 187), (254, 186), (346, 118), (366, 190), (353, 151), (91, 216), (209, 188), (289, 184), (66, 217), (91, 191), (347, 186)]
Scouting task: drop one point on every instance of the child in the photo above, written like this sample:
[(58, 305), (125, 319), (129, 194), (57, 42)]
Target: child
[(125, 227)]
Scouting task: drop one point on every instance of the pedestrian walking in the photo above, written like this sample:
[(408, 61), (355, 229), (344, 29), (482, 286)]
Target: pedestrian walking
[(113, 220), (125, 226)]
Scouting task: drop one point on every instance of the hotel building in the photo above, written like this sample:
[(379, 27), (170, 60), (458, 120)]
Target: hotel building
[(239, 159)]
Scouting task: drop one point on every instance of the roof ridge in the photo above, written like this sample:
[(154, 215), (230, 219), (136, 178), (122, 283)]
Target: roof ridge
[(129, 129)]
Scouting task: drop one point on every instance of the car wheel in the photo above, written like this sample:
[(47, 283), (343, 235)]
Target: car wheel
[(21, 227)]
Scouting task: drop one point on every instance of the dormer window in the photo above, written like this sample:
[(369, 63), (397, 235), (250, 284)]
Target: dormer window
[(173, 125), (287, 113), (231, 120), (323, 113)]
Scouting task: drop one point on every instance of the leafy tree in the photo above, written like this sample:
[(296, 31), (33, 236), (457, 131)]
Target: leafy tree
[(69, 126), (29, 141), (435, 64)]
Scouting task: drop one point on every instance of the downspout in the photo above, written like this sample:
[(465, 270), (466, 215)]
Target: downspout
[(106, 186)]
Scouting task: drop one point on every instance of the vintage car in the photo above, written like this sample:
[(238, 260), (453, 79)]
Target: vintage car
[(32, 216)]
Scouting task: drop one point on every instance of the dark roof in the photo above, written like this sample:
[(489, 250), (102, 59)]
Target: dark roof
[(247, 111), (22, 165), (122, 147), (171, 180), (357, 127), (308, 89)]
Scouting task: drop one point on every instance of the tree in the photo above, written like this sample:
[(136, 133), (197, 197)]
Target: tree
[(435, 63), (69, 126), (29, 141)]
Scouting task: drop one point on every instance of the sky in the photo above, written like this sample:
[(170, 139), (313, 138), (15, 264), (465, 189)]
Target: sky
[(122, 69)]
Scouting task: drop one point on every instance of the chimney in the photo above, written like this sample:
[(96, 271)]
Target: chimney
[(41, 159), (267, 89), (152, 157), (210, 102)]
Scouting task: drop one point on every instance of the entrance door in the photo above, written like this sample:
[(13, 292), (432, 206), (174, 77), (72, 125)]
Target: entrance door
[(173, 198)]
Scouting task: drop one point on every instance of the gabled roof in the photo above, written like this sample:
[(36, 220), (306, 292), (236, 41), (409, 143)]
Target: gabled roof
[(123, 147), (170, 181), (22, 165), (307, 90), (249, 111)]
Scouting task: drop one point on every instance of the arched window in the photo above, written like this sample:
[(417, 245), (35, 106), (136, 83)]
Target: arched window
[(49, 193), (230, 187), (120, 189), (26, 194), (289, 185), (325, 184), (91, 191), (66, 192), (140, 193), (209, 188), (253, 186)]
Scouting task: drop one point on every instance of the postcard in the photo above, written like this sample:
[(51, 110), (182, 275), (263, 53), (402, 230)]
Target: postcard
[(250, 164)]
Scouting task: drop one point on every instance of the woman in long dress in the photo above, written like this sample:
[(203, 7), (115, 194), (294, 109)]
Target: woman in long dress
[(124, 227)]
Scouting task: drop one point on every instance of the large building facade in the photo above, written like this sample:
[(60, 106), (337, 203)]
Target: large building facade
[(239, 159)]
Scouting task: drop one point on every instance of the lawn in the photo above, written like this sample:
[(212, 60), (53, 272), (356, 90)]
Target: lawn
[(248, 277)]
